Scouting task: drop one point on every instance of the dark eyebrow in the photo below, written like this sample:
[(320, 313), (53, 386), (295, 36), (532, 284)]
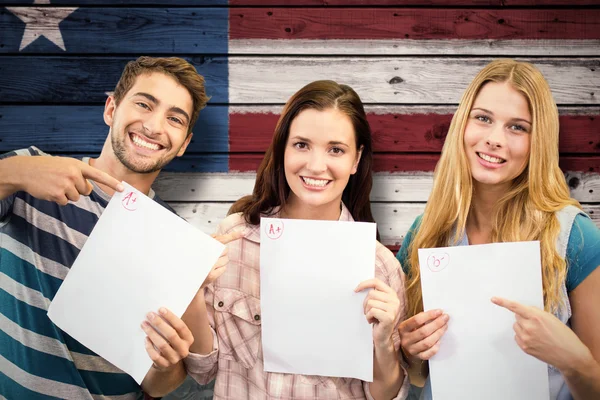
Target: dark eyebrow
[(148, 96), (180, 112), (156, 101), (303, 139), (334, 143)]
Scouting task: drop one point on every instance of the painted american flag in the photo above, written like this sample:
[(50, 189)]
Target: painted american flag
[(409, 61)]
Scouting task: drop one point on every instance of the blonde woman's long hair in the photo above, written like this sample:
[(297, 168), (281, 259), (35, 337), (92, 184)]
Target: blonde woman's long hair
[(526, 212)]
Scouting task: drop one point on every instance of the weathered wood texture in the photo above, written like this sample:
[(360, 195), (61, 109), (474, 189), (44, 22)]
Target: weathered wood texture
[(199, 30), (394, 188), (250, 129), (65, 128), (409, 60), (65, 90), (413, 129), (76, 80), (393, 219), (321, 3), (398, 80), (404, 47), (390, 80), (122, 30), (448, 3), (413, 23), (133, 3)]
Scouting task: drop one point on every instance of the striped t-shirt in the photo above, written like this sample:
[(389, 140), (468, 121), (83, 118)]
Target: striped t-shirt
[(39, 241)]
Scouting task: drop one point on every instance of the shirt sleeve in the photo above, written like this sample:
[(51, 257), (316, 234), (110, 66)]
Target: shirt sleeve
[(402, 254), (402, 393), (583, 251), (7, 203), (203, 367), (389, 271)]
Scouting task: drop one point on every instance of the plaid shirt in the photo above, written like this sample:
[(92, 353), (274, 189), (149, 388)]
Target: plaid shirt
[(233, 304)]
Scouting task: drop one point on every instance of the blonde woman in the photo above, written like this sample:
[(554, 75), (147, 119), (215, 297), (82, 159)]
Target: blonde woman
[(498, 180)]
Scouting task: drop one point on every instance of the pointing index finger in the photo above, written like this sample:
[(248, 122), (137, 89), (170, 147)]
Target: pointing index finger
[(102, 177), (513, 306)]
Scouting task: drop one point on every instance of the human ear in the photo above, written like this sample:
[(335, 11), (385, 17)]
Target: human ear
[(109, 110), (357, 161)]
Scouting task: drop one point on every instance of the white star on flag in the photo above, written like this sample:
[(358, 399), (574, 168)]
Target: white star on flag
[(41, 21)]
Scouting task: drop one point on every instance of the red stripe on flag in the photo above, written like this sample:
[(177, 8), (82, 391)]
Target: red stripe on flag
[(409, 3), (252, 132), (412, 23)]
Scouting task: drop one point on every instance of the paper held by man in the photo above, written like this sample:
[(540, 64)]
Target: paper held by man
[(478, 356), (139, 257)]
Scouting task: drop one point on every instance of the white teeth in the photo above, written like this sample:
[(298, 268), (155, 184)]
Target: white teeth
[(491, 159), (142, 143), (315, 182)]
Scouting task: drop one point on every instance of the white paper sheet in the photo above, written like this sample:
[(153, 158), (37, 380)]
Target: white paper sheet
[(478, 356), (138, 258), (312, 321)]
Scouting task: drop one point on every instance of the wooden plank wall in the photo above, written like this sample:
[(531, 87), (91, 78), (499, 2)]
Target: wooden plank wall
[(409, 61)]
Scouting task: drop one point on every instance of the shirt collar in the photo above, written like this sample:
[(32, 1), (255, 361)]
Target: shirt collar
[(459, 241), (253, 231)]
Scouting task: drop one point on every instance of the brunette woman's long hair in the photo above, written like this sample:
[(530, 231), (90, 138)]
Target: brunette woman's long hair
[(271, 189)]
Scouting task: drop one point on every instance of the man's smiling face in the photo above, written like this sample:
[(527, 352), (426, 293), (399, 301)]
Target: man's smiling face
[(150, 126)]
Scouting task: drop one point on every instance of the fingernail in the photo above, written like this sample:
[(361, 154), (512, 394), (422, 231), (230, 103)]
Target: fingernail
[(162, 310), (446, 317), (120, 187), (145, 325), (151, 316), (438, 313)]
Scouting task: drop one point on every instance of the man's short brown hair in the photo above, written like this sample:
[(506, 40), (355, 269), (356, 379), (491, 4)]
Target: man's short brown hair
[(177, 68)]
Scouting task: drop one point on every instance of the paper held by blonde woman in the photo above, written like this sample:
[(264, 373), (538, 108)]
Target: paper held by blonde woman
[(478, 350)]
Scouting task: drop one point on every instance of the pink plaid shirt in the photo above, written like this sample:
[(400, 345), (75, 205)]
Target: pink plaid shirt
[(233, 304)]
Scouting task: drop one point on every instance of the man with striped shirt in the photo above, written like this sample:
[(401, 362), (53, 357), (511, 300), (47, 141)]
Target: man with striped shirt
[(49, 206)]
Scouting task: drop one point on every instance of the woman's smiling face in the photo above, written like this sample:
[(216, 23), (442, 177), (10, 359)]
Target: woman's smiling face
[(497, 137), (320, 156)]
